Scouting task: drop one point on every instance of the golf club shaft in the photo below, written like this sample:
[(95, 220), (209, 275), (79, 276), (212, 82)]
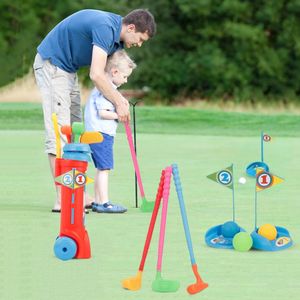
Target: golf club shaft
[(166, 191), (134, 141), (57, 135), (153, 220), (134, 159), (177, 182)]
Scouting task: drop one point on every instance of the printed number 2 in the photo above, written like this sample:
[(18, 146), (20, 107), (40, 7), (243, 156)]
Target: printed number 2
[(225, 177)]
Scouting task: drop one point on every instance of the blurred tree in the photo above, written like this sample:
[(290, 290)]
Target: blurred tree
[(223, 48), (15, 42), (204, 48)]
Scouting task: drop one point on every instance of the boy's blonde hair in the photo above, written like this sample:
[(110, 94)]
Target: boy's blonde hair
[(119, 60)]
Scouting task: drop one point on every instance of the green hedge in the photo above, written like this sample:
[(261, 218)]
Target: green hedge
[(247, 50)]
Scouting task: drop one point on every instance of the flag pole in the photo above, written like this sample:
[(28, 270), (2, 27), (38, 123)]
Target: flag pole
[(233, 202), (262, 146)]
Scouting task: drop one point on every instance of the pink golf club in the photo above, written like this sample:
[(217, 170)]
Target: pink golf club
[(146, 206)]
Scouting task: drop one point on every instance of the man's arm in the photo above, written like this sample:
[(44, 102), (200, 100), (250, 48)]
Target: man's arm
[(97, 75)]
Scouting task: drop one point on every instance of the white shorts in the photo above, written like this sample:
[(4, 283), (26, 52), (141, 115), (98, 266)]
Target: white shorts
[(60, 94)]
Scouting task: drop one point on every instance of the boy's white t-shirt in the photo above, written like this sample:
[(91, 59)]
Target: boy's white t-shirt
[(92, 119)]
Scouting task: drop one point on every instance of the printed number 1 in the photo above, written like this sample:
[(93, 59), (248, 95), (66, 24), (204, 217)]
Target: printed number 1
[(263, 179)]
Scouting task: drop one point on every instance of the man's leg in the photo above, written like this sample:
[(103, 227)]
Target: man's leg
[(55, 86), (56, 206), (76, 116)]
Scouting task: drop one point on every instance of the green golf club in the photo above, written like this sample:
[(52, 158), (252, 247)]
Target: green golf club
[(159, 284), (77, 130)]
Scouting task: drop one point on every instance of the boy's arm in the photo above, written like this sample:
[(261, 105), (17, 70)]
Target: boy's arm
[(107, 114), (97, 75)]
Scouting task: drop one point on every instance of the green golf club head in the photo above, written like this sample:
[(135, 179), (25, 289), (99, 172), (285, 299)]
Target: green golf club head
[(164, 286), (77, 130), (147, 206)]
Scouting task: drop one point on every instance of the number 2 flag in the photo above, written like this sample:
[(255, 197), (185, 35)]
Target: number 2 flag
[(265, 180), (223, 177)]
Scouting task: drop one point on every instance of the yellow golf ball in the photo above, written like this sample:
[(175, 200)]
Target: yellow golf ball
[(268, 231)]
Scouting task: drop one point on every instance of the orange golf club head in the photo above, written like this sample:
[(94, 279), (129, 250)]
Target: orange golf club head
[(67, 131), (91, 137), (199, 286)]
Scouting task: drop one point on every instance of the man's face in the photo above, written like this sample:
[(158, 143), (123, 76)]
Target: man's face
[(133, 38)]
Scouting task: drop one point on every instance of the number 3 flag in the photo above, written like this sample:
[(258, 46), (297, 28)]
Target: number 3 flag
[(224, 177), (265, 180)]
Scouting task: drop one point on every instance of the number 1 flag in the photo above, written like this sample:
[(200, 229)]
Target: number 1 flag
[(223, 177), (266, 138), (265, 180)]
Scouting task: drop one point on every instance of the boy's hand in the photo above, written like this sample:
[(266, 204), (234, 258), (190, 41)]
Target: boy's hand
[(123, 111)]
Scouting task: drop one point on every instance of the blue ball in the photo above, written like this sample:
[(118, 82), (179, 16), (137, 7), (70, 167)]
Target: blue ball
[(230, 229)]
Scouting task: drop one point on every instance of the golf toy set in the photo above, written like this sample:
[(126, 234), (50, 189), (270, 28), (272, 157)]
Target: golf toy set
[(221, 236), (268, 237), (70, 174), (160, 284), (230, 235)]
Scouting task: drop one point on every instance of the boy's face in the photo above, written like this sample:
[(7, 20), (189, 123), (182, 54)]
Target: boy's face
[(133, 38), (119, 76)]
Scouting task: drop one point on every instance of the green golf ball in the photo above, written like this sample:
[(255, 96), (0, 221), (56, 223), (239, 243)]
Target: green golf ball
[(242, 241)]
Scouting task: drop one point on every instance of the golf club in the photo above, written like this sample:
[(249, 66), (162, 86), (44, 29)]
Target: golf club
[(134, 283), (57, 136), (146, 206), (77, 130), (133, 103), (67, 131), (159, 284), (91, 137), (199, 285)]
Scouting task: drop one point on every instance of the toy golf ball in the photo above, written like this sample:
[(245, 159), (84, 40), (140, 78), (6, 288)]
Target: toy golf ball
[(230, 229), (242, 241), (242, 180), (268, 231)]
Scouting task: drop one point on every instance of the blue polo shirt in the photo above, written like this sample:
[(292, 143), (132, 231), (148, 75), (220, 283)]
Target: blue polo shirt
[(70, 43)]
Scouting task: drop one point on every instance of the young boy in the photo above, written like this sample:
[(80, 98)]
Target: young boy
[(100, 115)]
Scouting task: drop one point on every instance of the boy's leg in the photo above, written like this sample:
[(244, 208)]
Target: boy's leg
[(101, 186), (103, 204)]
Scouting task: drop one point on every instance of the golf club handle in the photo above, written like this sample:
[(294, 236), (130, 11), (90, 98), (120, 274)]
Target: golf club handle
[(153, 220), (166, 191), (57, 135), (178, 187), (134, 159)]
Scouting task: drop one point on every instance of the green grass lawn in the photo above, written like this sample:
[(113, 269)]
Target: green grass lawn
[(171, 120), (29, 269)]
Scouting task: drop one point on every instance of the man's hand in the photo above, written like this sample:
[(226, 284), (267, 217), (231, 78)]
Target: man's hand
[(123, 110)]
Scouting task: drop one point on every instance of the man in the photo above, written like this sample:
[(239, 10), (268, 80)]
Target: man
[(85, 38)]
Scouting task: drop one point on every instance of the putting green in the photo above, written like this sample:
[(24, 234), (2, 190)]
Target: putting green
[(29, 270)]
